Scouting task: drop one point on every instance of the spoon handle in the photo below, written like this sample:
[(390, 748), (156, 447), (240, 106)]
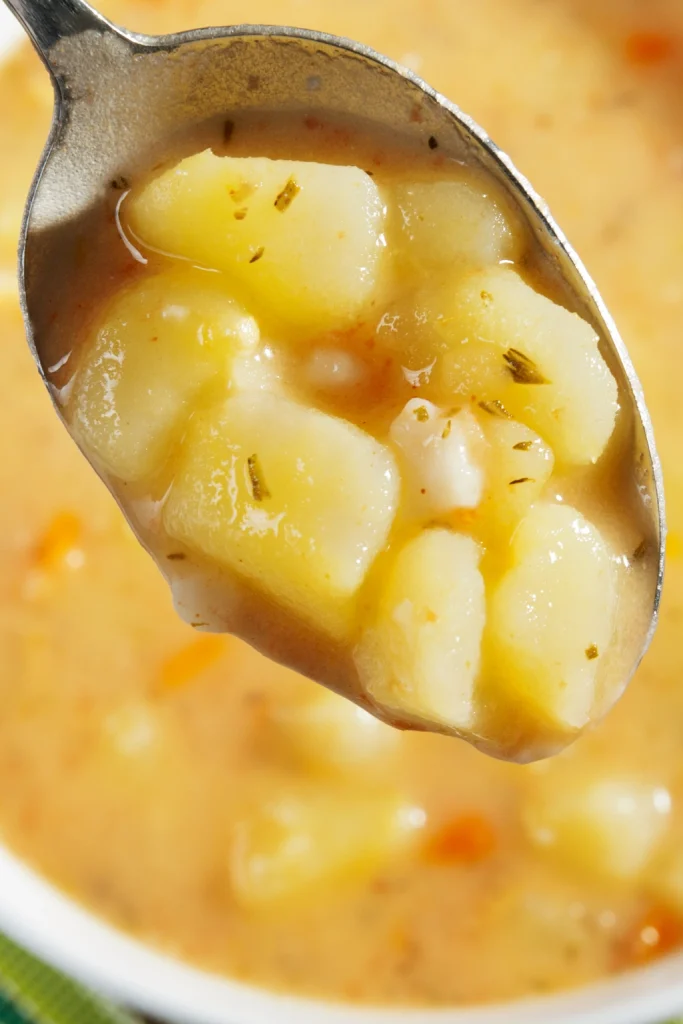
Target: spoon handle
[(48, 21)]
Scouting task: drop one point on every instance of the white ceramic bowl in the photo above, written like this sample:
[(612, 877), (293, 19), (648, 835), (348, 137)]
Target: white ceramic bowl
[(49, 924)]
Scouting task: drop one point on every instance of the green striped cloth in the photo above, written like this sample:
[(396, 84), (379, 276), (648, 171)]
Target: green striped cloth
[(32, 993)]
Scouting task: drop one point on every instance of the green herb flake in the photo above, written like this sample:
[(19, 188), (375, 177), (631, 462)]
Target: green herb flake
[(421, 414), (177, 556), (495, 408), (522, 480), (592, 652), (241, 213), (446, 431), (486, 297), (258, 254), (285, 198), (523, 369), (259, 491), (522, 446)]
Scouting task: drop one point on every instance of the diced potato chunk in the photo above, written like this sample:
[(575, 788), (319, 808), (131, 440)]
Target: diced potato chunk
[(551, 617), (519, 465), (443, 224), (609, 825), (306, 238), (490, 335), (309, 840), (265, 368), (294, 499), (442, 457), (421, 654), (156, 346), (325, 732)]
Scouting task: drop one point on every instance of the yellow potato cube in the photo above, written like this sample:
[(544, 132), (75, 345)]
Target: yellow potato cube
[(519, 464), (608, 825), (157, 345), (551, 618), (327, 733), (298, 501), (491, 336), (443, 224), (308, 840), (305, 238), (420, 656)]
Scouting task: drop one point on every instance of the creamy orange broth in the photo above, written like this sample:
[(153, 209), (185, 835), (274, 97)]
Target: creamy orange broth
[(129, 745)]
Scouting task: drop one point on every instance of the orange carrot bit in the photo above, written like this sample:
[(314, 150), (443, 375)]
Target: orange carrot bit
[(659, 932), (191, 661), (60, 544), (646, 49), (467, 839)]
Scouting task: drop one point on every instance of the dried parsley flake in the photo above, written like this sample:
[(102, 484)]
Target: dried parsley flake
[(592, 652), (421, 413), (522, 480), (258, 254), (241, 213), (446, 431), (522, 446), (495, 408), (259, 491), (523, 369), (287, 196)]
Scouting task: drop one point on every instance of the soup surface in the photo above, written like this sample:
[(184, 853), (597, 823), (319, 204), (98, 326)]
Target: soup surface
[(215, 804)]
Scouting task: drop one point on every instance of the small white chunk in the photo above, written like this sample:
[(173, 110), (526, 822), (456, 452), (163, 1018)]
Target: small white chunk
[(608, 825), (298, 501), (445, 223), (551, 617), (305, 238), (305, 842), (333, 368), (420, 656), (442, 457), (325, 732)]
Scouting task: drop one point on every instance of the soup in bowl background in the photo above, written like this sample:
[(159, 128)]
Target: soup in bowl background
[(55, 928)]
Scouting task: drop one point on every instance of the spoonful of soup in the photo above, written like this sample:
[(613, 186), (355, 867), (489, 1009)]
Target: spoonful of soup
[(350, 385)]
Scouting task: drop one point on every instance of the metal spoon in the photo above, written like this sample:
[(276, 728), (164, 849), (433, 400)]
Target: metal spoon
[(119, 95)]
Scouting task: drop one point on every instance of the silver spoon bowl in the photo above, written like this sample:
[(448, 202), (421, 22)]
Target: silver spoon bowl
[(121, 96)]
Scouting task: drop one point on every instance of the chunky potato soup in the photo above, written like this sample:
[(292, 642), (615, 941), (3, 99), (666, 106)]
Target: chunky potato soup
[(226, 809), (355, 395)]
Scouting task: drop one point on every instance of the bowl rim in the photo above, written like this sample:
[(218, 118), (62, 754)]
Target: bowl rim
[(53, 926)]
